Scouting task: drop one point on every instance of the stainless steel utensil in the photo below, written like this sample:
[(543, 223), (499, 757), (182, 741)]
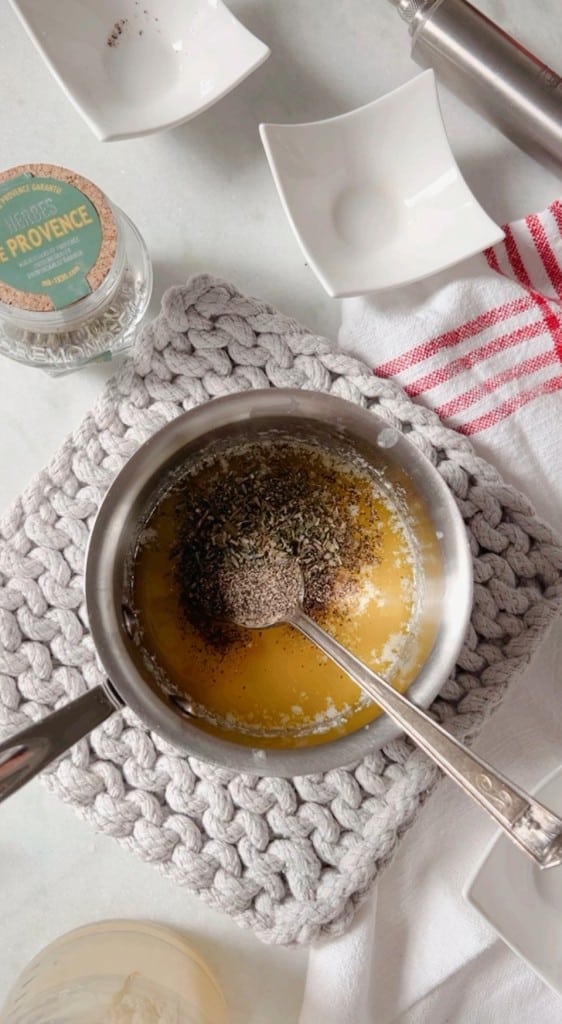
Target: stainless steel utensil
[(490, 71), (534, 828), (444, 574)]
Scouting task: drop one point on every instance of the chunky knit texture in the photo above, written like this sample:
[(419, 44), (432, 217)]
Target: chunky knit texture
[(289, 858)]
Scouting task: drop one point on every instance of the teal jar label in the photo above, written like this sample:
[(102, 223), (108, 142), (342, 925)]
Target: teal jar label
[(50, 238)]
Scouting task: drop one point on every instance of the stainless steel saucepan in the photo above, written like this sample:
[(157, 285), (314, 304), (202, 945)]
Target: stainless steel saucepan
[(444, 602)]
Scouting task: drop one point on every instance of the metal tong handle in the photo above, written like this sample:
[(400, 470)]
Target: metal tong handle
[(26, 754), (527, 822)]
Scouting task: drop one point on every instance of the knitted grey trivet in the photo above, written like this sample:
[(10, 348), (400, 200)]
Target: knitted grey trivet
[(289, 858)]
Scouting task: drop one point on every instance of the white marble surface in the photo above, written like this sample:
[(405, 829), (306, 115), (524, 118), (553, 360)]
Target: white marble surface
[(203, 197)]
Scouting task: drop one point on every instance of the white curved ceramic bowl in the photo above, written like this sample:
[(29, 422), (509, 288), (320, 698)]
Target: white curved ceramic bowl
[(141, 66), (375, 196)]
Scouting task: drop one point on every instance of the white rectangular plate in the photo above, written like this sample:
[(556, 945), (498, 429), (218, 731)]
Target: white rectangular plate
[(521, 902)]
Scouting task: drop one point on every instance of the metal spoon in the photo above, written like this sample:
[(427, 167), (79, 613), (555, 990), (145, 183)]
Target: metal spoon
[(266, 595)]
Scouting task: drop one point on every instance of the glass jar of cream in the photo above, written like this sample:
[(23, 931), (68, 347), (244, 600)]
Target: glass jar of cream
[(75, 275), (116, 972)]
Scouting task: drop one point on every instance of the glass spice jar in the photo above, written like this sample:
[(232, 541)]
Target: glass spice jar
[(75, 274)]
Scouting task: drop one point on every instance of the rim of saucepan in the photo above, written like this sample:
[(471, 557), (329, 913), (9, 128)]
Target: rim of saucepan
[(139, 479)]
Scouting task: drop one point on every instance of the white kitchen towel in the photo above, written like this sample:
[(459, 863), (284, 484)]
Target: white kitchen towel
[(481, 344)]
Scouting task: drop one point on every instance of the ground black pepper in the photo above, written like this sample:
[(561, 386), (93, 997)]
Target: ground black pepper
[(116, 32), (262, 592)]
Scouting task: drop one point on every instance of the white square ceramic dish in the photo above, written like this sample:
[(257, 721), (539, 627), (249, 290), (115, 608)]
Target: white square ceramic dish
[(141, 66), (375, 196), (521, 902)]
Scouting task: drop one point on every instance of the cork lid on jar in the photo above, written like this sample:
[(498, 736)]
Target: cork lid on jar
[(58, 237)]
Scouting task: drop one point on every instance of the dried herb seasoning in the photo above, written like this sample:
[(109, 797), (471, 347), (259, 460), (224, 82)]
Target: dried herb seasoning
[(254, 505), (75, 275)]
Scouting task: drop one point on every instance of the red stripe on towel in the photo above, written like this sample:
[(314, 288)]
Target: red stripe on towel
[(488, 387), (556, 211), (516, 262), (490, 419), (546, 252), (470, 329), (478, 355), (551, 319), (492, 258)]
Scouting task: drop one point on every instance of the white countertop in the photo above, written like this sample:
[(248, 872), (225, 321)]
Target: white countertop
[(203, 197)]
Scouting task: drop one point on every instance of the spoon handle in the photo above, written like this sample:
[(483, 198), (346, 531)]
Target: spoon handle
[(527, 822)]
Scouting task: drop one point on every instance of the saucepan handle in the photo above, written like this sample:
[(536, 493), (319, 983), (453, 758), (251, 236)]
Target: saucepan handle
[(26, 754)]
